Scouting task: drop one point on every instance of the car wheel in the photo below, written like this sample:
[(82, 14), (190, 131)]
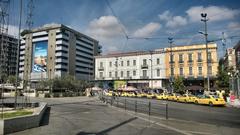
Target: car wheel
[(196, 102), (185, 101), (211, 104)]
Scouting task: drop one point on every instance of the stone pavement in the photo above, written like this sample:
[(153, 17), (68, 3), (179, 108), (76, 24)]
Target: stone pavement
[(85, 116)]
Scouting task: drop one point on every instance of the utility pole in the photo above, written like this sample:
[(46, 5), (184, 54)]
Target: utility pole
[(170, 41), (29, 23), (205, 19)]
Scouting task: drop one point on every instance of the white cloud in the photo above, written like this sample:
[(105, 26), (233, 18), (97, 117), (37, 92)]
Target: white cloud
[(215, 13), (147, 30), (165, 16), (172, 21), (234, 25), (176, 21), (105, 27)]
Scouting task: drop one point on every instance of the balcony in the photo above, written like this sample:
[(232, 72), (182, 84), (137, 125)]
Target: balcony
[(210, 60), (190, 61), (144, 66), (100, 78), (100, 68), (180, 61), (128, 78), (144, 77), (171, 62), (199, 60)]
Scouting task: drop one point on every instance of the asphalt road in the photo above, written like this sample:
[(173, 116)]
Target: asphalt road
[(219, 116)]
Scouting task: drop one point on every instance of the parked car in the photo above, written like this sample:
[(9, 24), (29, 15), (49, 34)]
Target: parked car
[(162, 96), (210, 100), (187, 98), (151, 95), (173, 96)]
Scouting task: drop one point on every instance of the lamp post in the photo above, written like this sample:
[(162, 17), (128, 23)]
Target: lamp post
[(205, 19), (170, 40), (232, 78), (151, 52)]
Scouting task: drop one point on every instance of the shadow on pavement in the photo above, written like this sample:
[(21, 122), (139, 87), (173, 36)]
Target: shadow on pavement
[(105, 131), (45, 119)]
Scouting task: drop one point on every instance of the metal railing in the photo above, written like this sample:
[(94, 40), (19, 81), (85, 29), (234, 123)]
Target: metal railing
[(138, 106)]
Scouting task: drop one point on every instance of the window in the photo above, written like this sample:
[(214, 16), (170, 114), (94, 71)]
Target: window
[(181, 71), (116, 74), (158, 72), (199, 70), (172, 58), (158, 61), (110, 64), (101, 74), (190, 57), (210, 70), (199, 56), (128, 63), (116, 63), (190, 71), (122, 63), (121, 73), (180, 58), (134, 62), (209, 56), (144, 73), (172, 71), (101, 64), (110, 74), (144, 62), (128, 73), (134, 72)]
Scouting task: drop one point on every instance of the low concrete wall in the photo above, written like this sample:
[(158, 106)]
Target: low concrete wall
[(24, 122)]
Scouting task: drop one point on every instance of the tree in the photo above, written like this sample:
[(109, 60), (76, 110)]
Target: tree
[(222, 75), (178, 84)]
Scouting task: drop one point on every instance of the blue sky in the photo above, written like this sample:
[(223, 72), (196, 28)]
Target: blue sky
[(139, 19)]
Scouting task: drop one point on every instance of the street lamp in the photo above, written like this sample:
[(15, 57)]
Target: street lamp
[(170, 40), (151, 52), (205, 19)]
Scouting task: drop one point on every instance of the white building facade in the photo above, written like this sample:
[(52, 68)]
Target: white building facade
[(138, 69)]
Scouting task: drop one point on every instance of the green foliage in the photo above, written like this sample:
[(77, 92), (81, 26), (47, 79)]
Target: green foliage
[(67, 84), (222, 75), (17, 113), (178, 84)]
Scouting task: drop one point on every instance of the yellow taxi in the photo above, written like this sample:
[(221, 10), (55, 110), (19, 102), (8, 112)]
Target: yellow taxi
[(187, 98), (162, 96), (124, 94), (210, 100), (143, 94), (173, 96), (151, 95), (139, 95), (130, 94), (110, 93)]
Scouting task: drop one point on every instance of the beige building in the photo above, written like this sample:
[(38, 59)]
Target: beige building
[(56, 50), (190, 62)]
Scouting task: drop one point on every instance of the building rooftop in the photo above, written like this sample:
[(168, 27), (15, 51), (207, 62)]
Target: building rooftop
[(158, 51), (55, 26)]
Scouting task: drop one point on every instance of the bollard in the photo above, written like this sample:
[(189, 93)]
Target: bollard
[(149, 108), (166, 111)]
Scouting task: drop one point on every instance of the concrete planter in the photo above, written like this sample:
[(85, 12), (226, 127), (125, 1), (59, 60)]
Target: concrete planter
[(23, 122)]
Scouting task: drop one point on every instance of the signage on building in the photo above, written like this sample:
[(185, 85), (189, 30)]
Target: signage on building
[(40, 56)]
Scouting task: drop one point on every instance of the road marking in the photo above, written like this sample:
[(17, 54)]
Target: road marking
[(154, 122)]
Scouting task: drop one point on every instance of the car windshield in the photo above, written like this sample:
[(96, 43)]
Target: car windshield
[(215, 96)]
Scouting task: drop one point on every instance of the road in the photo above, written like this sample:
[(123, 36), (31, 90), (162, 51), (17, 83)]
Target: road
[(85, 116), (219, 116)]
